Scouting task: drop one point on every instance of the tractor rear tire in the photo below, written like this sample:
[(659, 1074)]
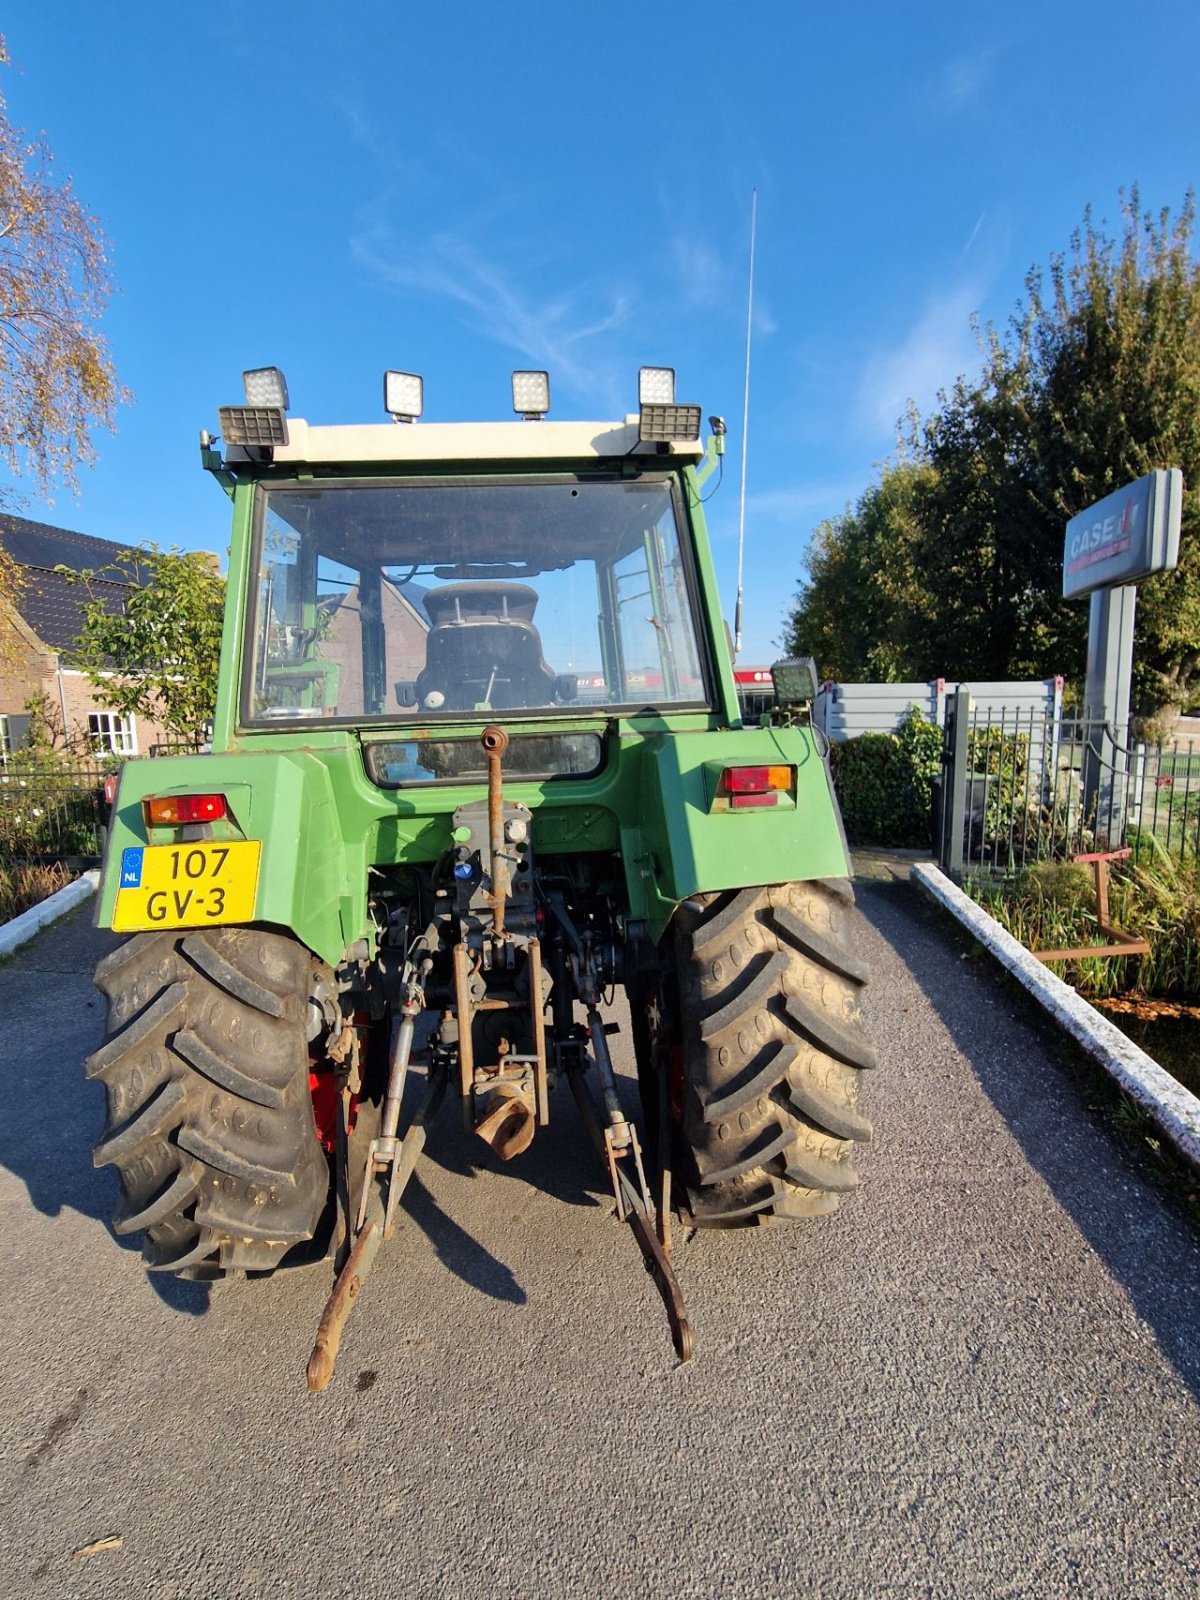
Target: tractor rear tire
[(210, 1122), (773, 1050)]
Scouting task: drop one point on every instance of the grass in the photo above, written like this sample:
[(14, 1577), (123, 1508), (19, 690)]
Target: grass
[(1052, 906), (23, 887)]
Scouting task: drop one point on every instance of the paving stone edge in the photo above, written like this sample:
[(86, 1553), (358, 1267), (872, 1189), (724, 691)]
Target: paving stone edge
[(23, 928), (1174, 1109)]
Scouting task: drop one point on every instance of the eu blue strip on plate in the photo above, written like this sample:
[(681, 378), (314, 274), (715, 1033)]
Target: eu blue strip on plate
[(131, 867)]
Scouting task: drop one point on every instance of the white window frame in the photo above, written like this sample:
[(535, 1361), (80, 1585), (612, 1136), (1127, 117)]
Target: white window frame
[(5, 740), (112, 733)]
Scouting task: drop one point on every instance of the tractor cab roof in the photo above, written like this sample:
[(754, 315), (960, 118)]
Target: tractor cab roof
[(443, 443)]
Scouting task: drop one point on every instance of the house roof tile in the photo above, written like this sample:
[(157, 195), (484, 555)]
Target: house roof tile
[(49, 603)]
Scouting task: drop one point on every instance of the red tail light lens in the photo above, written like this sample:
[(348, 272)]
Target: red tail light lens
[(175, 810), (756, 786), (757, 780)]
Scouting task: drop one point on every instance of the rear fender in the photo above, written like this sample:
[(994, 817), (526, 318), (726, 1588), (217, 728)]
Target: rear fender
[(683, 846), (311, 881)]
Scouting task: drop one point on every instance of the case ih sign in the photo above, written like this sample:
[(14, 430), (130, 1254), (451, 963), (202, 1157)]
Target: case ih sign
[(1126, 536)]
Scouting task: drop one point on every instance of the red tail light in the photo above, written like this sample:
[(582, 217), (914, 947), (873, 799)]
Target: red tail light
[(756, 786), (174, 810)]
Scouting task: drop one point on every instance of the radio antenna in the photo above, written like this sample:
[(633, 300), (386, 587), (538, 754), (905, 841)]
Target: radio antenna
[(737, 613)]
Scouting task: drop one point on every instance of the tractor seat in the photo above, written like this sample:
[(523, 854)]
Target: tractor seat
[(483, 648)]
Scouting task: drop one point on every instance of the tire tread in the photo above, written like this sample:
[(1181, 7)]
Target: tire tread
[(770, 987), (210, 1122)]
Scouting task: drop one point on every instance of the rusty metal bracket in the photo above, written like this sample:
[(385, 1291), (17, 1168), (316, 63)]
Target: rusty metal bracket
[(619, 1143), (1124, 944), (659, 1267), (339, 1306)]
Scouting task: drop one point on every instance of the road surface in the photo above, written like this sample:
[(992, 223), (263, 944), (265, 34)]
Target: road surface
[(980, 1378)]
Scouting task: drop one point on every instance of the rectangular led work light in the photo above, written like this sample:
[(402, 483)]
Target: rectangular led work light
[(531, 393), (658, 423), (266, 386), (403, 395), (253, 426), (656, 386)]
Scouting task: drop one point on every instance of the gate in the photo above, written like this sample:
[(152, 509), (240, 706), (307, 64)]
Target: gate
[(1017, 788)]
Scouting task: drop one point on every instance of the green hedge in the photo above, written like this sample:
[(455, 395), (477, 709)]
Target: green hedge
[(884, 783)]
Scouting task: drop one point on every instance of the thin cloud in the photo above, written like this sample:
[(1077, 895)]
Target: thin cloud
[(940, 346), (700, 276), (764, 323), (960, 84), (702, 280), (547, 333), (792, 502), (974, 234)]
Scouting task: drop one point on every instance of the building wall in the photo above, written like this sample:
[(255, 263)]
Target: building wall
[(80, 698), (24, 663)]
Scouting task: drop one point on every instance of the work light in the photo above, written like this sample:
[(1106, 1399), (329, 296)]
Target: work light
[(795, 681), (403, 395), (258, 427), (658, 423), (531, 394), (656, 386), (266, 386)]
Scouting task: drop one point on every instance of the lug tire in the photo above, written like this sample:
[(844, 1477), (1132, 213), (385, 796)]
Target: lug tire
[(773, 1050), (210, 1123)]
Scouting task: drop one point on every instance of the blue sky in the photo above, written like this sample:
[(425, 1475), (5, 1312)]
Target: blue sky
[(458, 190)]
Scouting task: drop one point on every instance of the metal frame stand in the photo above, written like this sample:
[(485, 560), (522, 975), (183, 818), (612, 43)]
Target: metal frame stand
[(1124, 944)]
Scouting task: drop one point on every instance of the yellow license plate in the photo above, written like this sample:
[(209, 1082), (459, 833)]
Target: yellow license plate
[(186, 885)]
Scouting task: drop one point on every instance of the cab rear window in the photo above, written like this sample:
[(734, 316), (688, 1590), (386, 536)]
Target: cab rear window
[(396, 763)]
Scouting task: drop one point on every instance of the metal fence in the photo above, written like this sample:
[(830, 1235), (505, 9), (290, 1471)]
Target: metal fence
[(1018, 788), (51, 810)]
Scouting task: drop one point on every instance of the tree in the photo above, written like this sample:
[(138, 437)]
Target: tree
[(1116, 347), (863, 581), (56, 378), (1095, 382), (11, 582), (159, 657)]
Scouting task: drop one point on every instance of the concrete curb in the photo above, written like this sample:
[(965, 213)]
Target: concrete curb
[(1174, 1109), (21, 929)]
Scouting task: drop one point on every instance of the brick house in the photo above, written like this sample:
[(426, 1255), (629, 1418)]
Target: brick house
[(38, 630)]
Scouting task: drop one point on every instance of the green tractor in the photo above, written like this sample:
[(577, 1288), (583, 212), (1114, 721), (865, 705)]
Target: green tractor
[(477, 763)]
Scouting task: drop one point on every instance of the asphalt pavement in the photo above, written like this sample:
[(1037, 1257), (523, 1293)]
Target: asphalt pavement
[(979, 1378)]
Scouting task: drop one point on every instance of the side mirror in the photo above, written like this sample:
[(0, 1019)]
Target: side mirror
[(406, 695), (566, 686)]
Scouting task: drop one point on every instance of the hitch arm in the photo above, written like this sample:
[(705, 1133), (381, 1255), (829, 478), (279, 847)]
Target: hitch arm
[(632, 1208), (377, 1209)]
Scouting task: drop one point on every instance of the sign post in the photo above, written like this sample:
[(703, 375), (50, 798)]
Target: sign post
[(1108, 548)]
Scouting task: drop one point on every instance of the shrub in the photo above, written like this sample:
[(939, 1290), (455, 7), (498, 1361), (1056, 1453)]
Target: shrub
[(884, 783), (49, 806)]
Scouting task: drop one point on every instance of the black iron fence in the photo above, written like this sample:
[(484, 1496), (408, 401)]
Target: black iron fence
[(1019, 787), (52, 809)]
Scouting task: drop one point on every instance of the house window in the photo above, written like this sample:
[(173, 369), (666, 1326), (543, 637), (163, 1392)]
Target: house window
[(5, 741), (111, 733)]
